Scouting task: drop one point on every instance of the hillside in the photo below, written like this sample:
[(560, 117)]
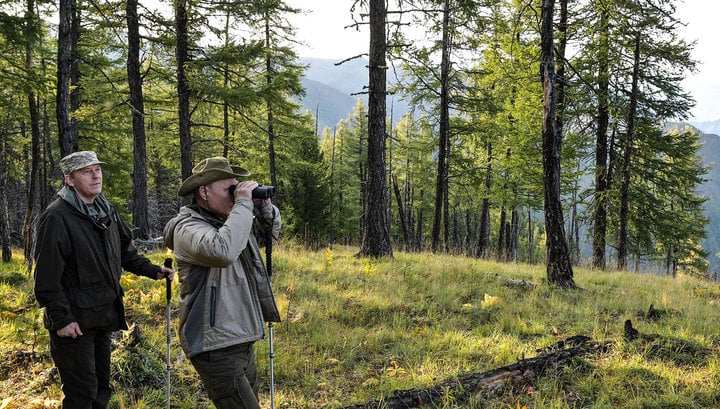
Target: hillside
[(356, 330)]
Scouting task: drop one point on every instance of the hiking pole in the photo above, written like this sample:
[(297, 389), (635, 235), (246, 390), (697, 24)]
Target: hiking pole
[(168, 296), (268, 266)]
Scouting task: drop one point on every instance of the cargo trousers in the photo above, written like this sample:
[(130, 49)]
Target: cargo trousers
[(84, 367), (229, 376)]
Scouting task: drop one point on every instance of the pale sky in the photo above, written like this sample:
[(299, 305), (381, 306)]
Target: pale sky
[(322, 30)]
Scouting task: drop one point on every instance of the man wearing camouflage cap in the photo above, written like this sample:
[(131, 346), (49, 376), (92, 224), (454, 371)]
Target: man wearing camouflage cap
[(81, 249)]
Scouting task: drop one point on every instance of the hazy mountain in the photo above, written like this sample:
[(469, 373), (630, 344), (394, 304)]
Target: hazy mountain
[(708, 127), (332, 90)]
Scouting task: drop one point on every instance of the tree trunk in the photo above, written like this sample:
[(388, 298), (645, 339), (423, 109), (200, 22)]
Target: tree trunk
[(4, 204), (270, 120), (401, 213), (627, 155), (601, 150), (501, 232), (182, 59), (67, 76), (559, 267), (376, 234), (484, 229), (29, 223), (139, 175), (441, 185)]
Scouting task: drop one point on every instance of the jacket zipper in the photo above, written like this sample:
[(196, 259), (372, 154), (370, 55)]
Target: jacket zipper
[(213, 301)]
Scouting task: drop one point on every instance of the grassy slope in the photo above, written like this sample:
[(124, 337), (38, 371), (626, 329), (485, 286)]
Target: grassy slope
[(356, 330)]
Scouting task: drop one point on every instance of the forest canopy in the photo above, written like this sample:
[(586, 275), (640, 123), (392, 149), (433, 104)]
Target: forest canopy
[(153, 87)]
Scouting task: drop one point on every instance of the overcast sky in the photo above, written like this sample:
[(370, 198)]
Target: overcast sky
[(322, 30)]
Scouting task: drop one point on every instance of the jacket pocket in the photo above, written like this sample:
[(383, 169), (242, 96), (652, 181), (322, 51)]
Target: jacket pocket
[(213, 305), (94, 307)]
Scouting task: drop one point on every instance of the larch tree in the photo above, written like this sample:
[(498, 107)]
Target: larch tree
[(137, 109), (68, 92), (376, 233), (559, 265)]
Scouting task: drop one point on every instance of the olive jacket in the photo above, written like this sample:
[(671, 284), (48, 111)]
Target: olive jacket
[(225, 292), (78, 264)]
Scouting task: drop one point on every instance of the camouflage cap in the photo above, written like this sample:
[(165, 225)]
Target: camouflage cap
[(78, 160)]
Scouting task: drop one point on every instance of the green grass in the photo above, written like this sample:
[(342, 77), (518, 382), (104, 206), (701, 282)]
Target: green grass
[(355, 330)]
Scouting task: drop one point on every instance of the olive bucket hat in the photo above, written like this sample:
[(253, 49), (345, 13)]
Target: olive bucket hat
[(208, 171)]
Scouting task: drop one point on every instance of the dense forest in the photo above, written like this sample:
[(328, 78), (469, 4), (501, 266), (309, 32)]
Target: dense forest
[(501, 93)]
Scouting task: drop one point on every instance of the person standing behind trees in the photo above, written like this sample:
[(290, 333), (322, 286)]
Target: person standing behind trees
[(225, 293), (81, 248)]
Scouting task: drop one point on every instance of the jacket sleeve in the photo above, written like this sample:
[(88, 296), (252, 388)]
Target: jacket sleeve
[(200, 243), (131, 260), (52, 249)]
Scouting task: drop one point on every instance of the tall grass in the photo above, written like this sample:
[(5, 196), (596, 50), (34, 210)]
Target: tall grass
[(357, 329)]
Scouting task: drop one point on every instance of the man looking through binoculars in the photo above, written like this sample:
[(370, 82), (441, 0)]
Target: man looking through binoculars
[(224, 287)]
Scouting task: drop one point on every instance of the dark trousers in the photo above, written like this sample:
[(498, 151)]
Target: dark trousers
[(230, 376), (84, 366)]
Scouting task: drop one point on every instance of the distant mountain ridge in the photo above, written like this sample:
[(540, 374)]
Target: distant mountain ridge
[(332, 90), (708, 127)]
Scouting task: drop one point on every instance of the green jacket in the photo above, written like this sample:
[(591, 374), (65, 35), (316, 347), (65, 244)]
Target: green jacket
[(225, 292), (78, 264)]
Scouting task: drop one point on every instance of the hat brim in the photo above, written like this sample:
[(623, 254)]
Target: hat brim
[(208, 176)]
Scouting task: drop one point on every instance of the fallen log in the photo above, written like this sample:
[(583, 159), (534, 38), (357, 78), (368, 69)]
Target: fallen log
[(493, 382)]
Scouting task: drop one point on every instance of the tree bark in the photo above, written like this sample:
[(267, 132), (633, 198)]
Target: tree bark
[(484, 230), (401, 212), (135, 82), (627, 156), (376, 233), (67, 76), (4, 204), (29, 223), (441, 183), (559, 266), (270, 119), (182, 59), (601, 150)]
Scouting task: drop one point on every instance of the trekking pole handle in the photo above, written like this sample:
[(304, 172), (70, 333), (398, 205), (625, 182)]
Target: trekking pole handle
[(168, 287)]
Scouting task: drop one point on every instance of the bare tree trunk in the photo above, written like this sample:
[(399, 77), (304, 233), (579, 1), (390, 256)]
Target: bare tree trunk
[(441, 185), (601, 150), (376, 234), (67, 77), (226, 84), (531, 238), (514, 236), (182, 58), (484, 230), (501, 232), (627, 154), (29, 223), (559, 267), (139, 189), (4, 204), (270, 119), (401, 212)]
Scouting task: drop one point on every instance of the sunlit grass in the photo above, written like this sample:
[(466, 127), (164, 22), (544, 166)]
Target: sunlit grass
[(356, 330)]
